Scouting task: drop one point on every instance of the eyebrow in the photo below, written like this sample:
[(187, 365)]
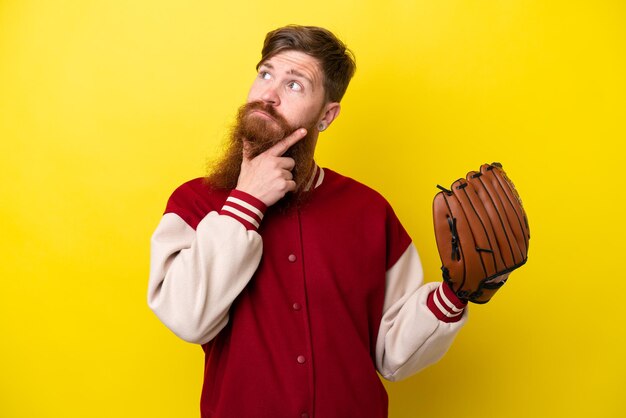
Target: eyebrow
[(292, 71)]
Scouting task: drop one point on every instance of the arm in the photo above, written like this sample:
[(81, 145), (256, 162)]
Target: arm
[(195, 275), (419, 320)]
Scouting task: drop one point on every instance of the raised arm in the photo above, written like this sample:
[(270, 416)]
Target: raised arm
[(198, 268), (195, 275)]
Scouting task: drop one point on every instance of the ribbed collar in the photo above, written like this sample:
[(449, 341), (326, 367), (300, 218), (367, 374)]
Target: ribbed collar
[(317, 177)]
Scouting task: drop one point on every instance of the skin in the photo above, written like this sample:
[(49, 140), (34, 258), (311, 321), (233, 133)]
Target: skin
[(291, 82)]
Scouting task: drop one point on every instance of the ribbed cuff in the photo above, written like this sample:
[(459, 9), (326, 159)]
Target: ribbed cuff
[(445, 305), (245, 208)]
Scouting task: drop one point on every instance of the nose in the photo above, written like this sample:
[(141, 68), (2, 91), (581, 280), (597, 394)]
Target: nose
[(270, 96)]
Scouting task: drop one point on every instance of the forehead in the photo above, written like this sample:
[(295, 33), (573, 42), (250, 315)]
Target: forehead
[(295, 62)]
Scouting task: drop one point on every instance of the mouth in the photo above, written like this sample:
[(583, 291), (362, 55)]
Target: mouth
[(263, 114)]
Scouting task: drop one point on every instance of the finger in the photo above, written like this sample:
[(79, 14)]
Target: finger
[(291, 185), (286, 163), (284, 144), (287, 175)]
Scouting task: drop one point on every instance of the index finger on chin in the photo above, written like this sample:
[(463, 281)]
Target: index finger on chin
[(284, 144)]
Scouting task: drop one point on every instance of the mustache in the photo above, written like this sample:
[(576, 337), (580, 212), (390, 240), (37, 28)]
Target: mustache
[(248, 108)]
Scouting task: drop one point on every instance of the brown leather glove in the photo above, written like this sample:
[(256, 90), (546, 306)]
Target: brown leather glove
[(481, 231)]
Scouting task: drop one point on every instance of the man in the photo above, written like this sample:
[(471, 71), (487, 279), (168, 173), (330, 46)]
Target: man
[(299, 283)]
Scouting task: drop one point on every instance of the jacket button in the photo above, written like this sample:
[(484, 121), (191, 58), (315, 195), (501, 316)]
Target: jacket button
[(301, 359), (297, 306), (291, 258)]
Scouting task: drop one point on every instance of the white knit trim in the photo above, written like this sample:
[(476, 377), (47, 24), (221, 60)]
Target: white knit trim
[(447, 301), (449, 310), (241, 215), (310, 180), (320, 178), (246, 205)]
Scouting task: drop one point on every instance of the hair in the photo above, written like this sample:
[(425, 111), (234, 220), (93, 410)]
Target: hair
[(336, 60)]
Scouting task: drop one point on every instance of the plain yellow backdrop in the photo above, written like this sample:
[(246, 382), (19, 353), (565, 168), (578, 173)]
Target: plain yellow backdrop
[(107, 106)]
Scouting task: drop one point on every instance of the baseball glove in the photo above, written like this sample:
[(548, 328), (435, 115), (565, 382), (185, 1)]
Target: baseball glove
[(481, 231)]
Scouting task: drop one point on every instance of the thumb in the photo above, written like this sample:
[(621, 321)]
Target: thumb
[(246, 152)]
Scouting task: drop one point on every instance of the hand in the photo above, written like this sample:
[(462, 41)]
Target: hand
[(268, 176)]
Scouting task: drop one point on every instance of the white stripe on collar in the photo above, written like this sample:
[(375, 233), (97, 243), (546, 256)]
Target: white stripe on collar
[(317, 176)]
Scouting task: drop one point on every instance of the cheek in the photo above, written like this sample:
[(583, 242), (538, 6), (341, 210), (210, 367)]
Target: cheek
[(298, 118), (312, 115), (304, 115)]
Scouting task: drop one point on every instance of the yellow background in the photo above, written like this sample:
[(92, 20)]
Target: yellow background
[(107, 106)]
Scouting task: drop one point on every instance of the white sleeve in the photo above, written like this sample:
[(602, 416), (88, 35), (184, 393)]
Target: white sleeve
[(411, 336), (196, 275)]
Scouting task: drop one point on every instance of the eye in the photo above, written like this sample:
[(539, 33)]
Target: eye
[(264, 75), (294, 86)]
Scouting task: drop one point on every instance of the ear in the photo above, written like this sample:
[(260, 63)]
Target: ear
[(330, 113)]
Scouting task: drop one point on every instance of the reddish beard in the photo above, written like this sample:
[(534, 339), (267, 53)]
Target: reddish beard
[(261, 133)]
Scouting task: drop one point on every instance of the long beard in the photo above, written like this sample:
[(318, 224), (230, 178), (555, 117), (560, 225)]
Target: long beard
[(261, 134)]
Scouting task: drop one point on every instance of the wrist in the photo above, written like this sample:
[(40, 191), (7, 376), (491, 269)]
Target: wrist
[(245, 208), (445, 305)]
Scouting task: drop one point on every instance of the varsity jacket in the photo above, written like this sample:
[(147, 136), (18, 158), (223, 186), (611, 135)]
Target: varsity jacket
[(297, 310)]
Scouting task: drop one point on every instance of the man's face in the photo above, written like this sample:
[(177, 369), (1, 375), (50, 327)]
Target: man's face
[(291, 83), (287, 94)]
